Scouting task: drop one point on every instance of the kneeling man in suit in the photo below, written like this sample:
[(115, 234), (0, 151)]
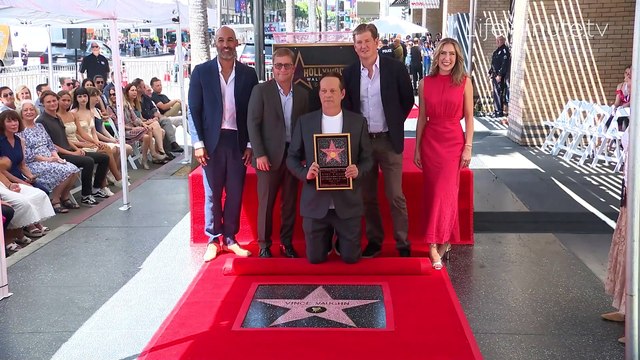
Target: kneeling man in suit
[(326, 209)]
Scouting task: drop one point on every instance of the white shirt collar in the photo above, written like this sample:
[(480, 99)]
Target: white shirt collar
[(376, 64), (282, 91), (220, 67)]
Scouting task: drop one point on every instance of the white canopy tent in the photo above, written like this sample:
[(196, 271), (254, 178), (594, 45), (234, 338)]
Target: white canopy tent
[(394, 25), (88, 13)]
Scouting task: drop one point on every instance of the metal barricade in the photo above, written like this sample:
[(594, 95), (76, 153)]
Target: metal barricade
[(33, 75)]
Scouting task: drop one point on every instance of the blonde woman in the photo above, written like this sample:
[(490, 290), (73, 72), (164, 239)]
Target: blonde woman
[(132, 119), (442, 148), (22, 93)]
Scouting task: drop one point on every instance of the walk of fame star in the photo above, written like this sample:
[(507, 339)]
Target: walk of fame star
[(318, 303), (332, 152)]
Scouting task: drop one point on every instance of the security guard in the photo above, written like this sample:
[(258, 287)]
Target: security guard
[(386, 50), (499, 72)]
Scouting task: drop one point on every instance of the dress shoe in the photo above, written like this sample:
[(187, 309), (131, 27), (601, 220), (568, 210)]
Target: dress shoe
[(288, 251), (404, 252), (371, 251), (176, 148), (265, 253), (236, 249), (211, 253)]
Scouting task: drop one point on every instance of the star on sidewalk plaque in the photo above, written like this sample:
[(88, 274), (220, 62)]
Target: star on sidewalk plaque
[(316, 306)]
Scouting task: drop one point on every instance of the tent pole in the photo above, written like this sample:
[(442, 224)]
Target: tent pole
[(633, 206), (117, 78), (180, 56), (4, 281), (472, 29), (50, 58)]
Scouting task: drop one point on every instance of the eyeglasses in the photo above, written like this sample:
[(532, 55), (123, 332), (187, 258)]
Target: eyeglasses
[(6, 95), (279, 66)]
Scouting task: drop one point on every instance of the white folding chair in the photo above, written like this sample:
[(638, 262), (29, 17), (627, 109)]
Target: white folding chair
[(610, 150), (563, 141), (580, 129), (556, 127)]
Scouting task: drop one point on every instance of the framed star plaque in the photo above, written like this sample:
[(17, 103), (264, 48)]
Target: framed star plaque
[(332, 152)]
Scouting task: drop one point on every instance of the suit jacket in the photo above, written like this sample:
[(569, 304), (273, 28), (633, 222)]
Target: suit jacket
[(396, 92), (314, 203), (265, 120), (205, 103)]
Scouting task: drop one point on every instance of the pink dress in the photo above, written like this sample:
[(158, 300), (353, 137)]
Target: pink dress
[(441, 148)]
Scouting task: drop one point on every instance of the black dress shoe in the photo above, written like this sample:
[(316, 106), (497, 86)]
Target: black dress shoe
[(288, 251), (404, 252), (265, 253), (371, 251), (176, 148)]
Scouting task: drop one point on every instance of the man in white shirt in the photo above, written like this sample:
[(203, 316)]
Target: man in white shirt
[(323, 210), (218, 100)]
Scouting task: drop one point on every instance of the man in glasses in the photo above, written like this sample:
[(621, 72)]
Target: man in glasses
[(66, 84), (8, 99), (40, 88), (95, 63), (274, 108), (99, 83)]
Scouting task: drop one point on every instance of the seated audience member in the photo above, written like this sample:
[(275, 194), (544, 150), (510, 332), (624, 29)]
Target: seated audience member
[(101, 133), (165, 106), (132, 121), (132, 133), (99, 82), (30, 205), (51, 171), (623, 99), (53, 122), (7, 98), (39, 89), (85, 136), (22, 93), (11, 147), (109, 86), (87, 82), (149, 112), (67, 84)]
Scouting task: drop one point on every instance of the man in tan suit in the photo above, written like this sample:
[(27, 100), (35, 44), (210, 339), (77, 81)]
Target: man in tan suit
[(274, 108)]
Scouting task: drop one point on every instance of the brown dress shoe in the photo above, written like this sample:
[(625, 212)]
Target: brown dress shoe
[(236, 249)]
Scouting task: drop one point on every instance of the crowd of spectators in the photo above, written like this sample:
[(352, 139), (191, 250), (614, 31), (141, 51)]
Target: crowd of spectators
[(50, 142)]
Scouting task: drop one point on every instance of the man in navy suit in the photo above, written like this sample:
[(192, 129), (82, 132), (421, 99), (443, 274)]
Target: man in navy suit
[(218, 100)]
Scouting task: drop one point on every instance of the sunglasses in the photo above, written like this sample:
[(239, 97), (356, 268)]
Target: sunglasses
[(279, 66), (112, 94), (95, 47), (99, 82), (68, 84), (6, 95)]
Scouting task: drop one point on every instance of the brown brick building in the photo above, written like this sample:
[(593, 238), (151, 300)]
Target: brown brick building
[(561, 50)]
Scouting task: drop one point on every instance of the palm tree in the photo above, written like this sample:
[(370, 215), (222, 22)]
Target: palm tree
[(198, 27)]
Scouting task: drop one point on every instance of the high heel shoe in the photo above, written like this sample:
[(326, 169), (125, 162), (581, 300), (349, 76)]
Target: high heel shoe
[(144, 164), (437, 265), (446, 254)]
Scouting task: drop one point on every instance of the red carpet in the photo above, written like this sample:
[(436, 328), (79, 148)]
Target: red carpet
[(412, 186), (424, 319)]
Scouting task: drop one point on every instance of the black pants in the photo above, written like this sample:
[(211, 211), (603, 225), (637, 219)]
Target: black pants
[(499, 95), (7, 212), (86, 164), (416, 75), (315, 235), (623, 122)]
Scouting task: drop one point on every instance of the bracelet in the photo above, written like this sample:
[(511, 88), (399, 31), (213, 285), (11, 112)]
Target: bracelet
[(469, 145)]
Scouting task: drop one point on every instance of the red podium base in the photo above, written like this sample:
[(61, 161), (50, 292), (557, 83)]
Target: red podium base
[(411, 184)]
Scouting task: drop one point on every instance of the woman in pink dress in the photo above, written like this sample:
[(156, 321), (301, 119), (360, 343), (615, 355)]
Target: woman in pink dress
[(442, 148)]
